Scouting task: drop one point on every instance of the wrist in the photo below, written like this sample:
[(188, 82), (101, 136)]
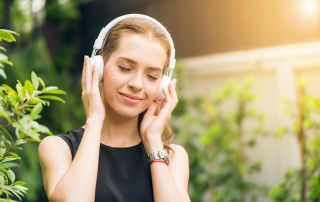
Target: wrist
[(159, 156), (153, 145), (96, 121)]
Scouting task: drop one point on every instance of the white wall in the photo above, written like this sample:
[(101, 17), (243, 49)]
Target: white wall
[(276, 70)]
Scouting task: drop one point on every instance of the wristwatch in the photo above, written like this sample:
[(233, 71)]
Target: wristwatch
[(159, 154)]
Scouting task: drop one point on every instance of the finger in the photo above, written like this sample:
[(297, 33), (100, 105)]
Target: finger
[(95, 78), (152, 109), (165, 113), (159, 106), (162, 104), (165, 105), (88, 73), (167, 96), (83, 76), (170, 101), (166, 99)]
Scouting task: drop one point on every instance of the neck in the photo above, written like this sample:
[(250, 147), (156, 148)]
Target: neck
[(119, 131)]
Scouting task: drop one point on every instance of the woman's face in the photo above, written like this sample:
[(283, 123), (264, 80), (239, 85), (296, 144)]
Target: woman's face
[(133, 73)]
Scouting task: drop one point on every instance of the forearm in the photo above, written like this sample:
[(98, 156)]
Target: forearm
[(164, 187), (79, 181)]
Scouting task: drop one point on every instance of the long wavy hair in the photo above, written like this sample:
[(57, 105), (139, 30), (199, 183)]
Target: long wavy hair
[(139, 26)]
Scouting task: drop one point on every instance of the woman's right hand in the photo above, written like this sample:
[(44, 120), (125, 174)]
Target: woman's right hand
[(91, 97)]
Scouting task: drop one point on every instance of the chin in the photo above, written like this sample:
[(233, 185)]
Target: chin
[(127, 111)]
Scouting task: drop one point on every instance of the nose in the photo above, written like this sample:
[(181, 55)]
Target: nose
[(135, 82)]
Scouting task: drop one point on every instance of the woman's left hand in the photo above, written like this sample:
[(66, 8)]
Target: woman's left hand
[(156, 119)]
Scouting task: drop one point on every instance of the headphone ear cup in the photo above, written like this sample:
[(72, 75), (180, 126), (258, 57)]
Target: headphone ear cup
[(165, 81), (98, 63)]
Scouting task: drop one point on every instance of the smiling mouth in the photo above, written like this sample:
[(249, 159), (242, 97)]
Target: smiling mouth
[(130, 98)]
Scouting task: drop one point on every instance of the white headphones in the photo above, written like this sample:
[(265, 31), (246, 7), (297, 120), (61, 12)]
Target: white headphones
[(97, 60)]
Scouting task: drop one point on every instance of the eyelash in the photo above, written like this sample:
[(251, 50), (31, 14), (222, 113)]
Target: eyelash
[(125, 69), (153, 78)]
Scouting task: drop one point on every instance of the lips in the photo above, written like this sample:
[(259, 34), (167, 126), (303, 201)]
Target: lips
[(131, 99), (131, 96)]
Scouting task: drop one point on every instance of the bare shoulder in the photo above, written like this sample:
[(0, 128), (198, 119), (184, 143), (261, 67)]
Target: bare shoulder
[(53, 145), (55, 158), (179, 153)]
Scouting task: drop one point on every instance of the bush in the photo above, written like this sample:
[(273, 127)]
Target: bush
[(20, 108)]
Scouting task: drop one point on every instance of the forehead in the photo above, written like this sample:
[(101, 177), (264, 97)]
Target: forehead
[(142, 48)]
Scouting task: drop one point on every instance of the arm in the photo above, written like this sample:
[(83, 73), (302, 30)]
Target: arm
[(170, 183), (64, 179), (67, 180)]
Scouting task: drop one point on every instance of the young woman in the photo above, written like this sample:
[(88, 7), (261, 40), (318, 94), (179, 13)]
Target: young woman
[(122, 152)]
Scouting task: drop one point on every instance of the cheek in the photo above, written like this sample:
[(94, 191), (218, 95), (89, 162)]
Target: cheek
[(111, 83), (111, 77), (152, 90)]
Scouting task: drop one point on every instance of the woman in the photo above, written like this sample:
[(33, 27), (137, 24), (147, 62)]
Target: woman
[(120, 154)]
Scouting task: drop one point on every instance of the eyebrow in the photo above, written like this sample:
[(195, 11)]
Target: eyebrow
[(135, 63)]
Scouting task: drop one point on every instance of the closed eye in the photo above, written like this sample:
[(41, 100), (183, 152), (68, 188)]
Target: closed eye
[(124, 69), (153, 77)]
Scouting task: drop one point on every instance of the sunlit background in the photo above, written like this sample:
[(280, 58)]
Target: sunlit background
[(248, 79)]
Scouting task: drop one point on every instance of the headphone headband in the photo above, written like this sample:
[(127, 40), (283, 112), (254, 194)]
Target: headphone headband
[(104, 32)]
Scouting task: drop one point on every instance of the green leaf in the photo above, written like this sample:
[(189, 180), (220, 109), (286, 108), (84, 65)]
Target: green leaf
[(36, 110), (2, 151), (44, 129), (34, 80), (42, 82), (19, 183), (6, 134), (34, 101), (7, 35), (5, 115), (12, 94), (3, 57), (2, 180), (3, 74), (11, 175), (21, 188), (15, 155), (20, 142), (51, 97), (54, 91), (29, 87), (51, 88), (8, 158)]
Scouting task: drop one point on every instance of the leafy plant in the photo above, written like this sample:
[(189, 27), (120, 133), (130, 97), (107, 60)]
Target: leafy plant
[(20, 108), (218, 133), (302, 184)]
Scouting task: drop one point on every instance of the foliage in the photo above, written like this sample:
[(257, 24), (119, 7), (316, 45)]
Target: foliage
[(218, 132), (49, 45), (20, 108), (303, 184), (5, 35)]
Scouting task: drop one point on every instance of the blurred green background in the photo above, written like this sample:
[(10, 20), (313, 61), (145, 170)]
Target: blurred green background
[(247, 70)]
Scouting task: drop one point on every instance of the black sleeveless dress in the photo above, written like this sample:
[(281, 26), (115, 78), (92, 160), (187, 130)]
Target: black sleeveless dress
[(123, 174)]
